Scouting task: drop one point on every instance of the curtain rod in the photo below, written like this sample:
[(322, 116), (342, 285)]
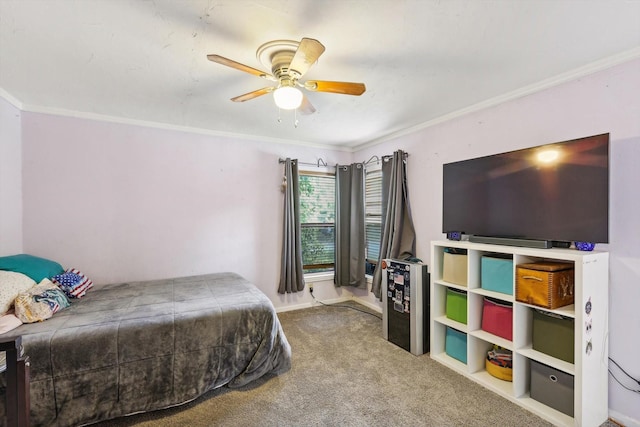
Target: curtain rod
[(322, 163), (371, 159), (319, 163), (384, 158), (390, 156)]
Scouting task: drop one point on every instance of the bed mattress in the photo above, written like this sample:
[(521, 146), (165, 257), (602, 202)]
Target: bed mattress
[(141, 346)]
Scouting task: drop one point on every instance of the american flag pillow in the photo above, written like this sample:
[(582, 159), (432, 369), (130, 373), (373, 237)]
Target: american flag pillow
[(73, 283)]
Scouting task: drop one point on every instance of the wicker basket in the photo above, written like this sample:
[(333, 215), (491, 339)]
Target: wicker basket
[(499, 372)]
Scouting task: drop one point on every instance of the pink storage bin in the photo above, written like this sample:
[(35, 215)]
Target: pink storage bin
[(497, 318)]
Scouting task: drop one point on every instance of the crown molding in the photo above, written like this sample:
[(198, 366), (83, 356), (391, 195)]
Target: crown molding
[(567, 77), (157, 125), (11, 99)]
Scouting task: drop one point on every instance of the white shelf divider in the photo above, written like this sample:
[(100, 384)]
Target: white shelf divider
[(590, 344)]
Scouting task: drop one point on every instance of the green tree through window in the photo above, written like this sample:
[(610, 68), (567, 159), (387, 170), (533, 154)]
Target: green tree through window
[(373, 215), (317, 220)]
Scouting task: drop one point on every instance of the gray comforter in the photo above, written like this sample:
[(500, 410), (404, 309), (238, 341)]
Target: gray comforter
[(135, 347)]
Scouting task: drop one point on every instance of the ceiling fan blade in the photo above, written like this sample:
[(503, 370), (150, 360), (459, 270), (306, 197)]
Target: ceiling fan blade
[(238, 66), (306, 107), (308, 52), (345, 88), (254, 94)]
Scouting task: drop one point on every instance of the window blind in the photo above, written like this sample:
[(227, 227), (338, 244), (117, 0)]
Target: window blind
[(317, 220), (373, 213)]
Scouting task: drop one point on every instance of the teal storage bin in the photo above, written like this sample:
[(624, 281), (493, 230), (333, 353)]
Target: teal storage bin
[(456, 305), (455, 344), (496, 274)]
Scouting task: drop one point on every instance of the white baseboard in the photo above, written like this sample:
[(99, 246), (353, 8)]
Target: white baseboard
[(368, 304), (329, 301), (293, 307), (617, 417)]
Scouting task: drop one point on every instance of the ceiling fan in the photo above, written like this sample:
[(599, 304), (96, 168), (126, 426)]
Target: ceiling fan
[(288, 61)]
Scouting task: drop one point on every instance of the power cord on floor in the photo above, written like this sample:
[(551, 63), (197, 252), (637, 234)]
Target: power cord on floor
[(624, 372), (341, 306)]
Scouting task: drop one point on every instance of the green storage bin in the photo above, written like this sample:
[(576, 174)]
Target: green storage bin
[(553, 334), (456, 305)]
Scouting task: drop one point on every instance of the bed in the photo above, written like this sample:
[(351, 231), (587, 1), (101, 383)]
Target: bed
[(141, 346)]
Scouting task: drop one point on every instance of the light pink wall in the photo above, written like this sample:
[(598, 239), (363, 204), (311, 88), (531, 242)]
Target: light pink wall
[(10, 180), (604, 102), (126, 203), (122, 202)]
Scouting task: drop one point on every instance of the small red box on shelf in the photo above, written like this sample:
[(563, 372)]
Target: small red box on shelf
[(497, 318)]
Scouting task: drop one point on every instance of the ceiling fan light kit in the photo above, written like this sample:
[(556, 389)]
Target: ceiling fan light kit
[(288, 61), (287, 97)]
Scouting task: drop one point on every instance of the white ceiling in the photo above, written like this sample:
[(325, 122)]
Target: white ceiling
[(422, 61)]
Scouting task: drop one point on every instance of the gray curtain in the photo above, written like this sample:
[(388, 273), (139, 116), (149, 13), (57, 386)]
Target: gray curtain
[(398, 233), (349, 228), (291, 274)]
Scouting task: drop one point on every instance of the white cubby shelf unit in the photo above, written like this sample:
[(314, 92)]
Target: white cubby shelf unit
[(590, 344)]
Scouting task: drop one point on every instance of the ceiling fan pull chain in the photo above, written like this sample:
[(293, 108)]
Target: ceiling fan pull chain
[(295, 118), (279, 117)]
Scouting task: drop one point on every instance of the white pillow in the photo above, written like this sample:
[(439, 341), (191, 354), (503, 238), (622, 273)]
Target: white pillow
[(9, 322), (11, 284)]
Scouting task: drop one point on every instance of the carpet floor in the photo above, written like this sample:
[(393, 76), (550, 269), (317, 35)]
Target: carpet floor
[(344, 373)]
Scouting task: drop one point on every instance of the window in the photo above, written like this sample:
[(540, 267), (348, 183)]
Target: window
[(317, 220), (373, 215)]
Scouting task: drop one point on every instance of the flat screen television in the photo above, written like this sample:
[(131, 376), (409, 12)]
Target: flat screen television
[(551, 193)]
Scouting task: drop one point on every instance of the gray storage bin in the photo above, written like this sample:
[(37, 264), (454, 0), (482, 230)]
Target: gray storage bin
[(552, 387)]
